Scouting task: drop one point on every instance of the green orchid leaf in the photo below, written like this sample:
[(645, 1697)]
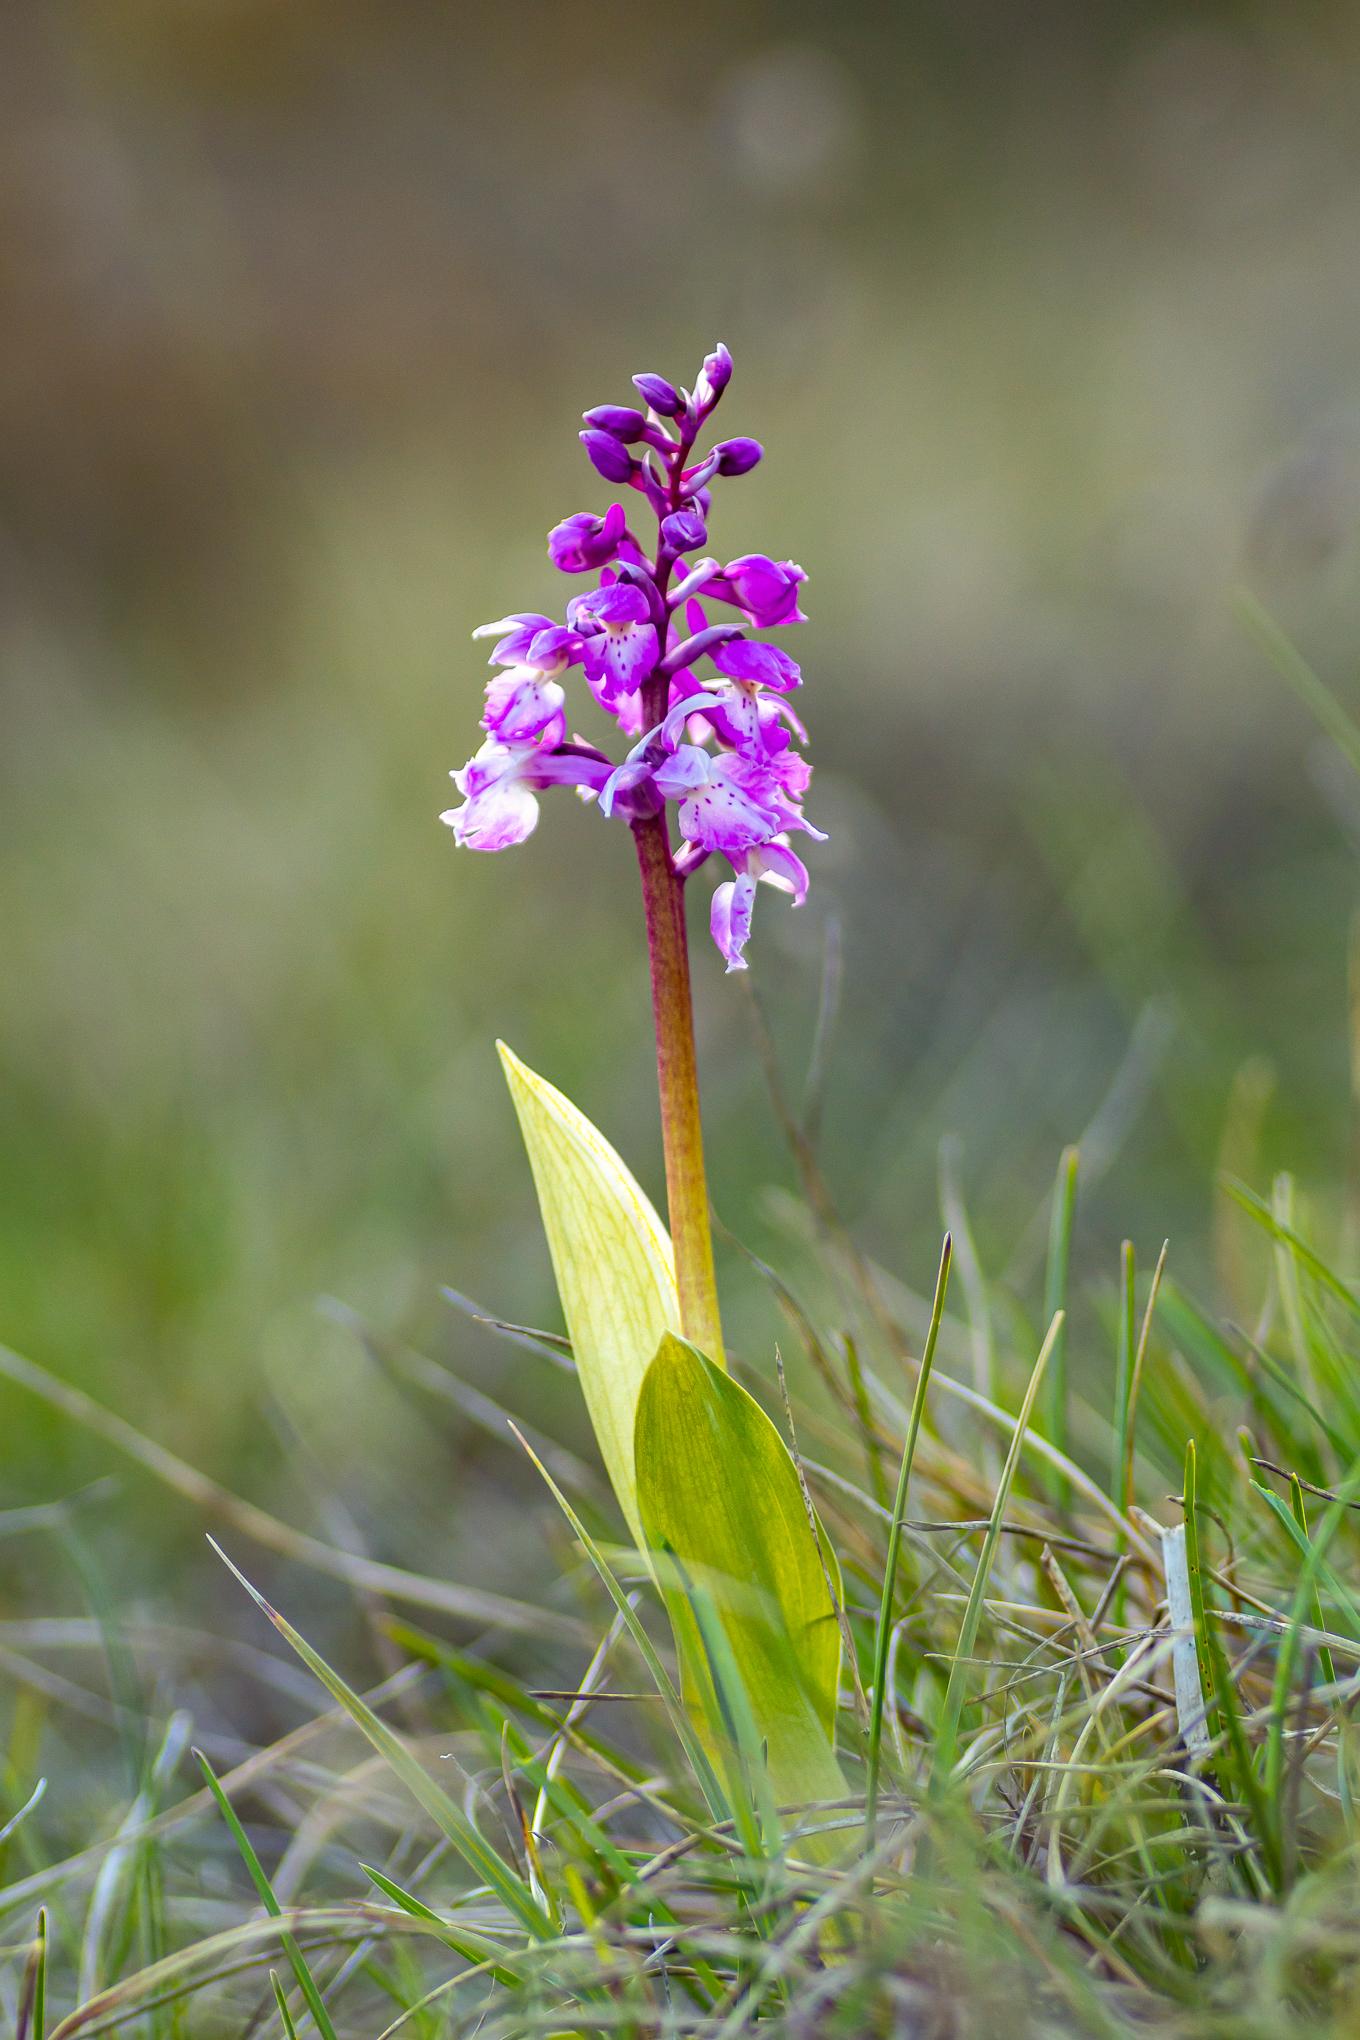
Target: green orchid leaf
[(720, 1500), (612, 1259)]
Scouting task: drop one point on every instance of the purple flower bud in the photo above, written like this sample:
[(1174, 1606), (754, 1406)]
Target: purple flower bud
[(765, 590), (620, 421), (579, 544), (664, 398), (607, 457), (716, 375), (683, 530), (738, 456)]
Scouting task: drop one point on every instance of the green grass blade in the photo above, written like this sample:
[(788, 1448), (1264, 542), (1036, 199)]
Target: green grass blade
[(599, 1847), (1287, 1658), (864, 1416), (1055, 1305), (474, 1948), (977, 1308), (1195, 1573), (1126, 1347), (475, 1850), (1295, 1521), (947, 1734), (290, 2031), (1297, 674), (1299, 1509), (306, 1982), (646, 1649), (31, 2023), (1303, 1253), (1193, 1330), (873, 1752), (1225, 1714)]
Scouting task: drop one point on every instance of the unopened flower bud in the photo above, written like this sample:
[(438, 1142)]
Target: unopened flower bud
[(664, 398), (583, 542), (738, 456), (620, 421), (683, 530), (607, 456), (714, 377)]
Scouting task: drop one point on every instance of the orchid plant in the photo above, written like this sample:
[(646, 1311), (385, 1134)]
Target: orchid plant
[(666, 644), (723, 749)]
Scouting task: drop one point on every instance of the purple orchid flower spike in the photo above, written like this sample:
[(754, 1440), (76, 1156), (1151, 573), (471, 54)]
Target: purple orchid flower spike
[(721, 750)]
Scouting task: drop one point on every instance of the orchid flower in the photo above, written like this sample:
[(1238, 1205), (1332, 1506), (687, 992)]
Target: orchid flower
[(499, 784), (721, 748), (708, 744)]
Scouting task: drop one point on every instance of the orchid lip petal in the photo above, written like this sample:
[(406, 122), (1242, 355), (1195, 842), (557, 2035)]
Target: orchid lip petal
[(730, 919)]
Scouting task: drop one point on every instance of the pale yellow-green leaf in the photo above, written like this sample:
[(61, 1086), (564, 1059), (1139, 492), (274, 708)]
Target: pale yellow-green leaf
[(718, 1489), (612, 1259)]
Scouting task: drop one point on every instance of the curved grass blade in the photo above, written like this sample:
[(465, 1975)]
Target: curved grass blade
[(1289, 662), (947, 1734), (1055, 1301), (1224, 1715), (646, 1649), (290, 2031), (1127, 1341), (306, 1982), (472, 1947), (475, 1850), (1258, 1209), (873, 1751), (231, 1951), (1299, 1509), (1195, 1576), (1286, 1661), (32, 2020)]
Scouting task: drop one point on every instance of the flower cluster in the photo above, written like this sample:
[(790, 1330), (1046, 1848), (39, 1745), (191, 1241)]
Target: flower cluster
[(722, 744)]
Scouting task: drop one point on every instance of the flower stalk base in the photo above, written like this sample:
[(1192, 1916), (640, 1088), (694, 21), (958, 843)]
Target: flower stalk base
[(678, 1082)]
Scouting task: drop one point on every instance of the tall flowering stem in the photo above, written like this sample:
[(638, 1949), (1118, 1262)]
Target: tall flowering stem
[(723, 747), (677, 1073)]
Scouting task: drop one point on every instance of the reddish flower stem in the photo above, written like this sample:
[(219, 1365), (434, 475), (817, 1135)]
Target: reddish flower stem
[(677, 1070), (663, 898)]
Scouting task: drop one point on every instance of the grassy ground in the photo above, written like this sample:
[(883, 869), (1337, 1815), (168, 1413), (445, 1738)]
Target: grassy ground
[(1052, 340), (1116, 1771)]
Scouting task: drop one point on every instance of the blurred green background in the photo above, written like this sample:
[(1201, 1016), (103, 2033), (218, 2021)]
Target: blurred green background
[(1048, 321)]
